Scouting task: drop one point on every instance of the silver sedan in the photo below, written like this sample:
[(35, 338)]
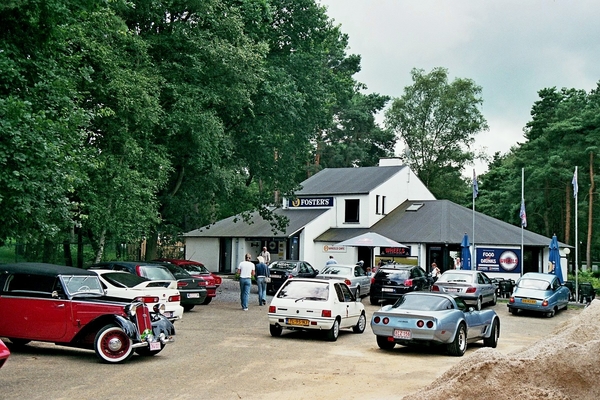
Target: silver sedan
[(474, 287), (355, 277)]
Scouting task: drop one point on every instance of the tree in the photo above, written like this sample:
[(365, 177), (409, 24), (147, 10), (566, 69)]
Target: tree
[(437, 121)]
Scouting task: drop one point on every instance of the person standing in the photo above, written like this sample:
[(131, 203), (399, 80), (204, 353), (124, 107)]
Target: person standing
[(435, 272), (246, 271), (331, 261), (262, 272), (266, 255)]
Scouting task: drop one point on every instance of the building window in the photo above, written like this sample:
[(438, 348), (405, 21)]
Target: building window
[(352, 210), (383, 205), (377, 204)]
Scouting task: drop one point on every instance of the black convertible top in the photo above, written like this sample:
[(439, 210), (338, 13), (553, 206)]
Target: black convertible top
[(43, 269)]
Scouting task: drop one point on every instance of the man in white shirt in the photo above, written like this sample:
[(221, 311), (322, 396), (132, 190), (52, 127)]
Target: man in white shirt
[(266, 255), (246, 271)]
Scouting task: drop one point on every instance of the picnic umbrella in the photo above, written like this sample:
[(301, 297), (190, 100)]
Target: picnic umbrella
[(371, 240), (465, 254), (554, 258)]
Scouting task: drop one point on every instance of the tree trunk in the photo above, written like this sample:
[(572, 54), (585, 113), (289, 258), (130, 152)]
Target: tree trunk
[(67, 253), (151, 246), (101, 244), (79, 248), (588, 251)]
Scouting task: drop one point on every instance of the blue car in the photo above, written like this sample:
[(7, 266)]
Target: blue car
[(539, 292)]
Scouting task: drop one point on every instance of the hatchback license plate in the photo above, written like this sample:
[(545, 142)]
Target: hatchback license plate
[(528, 301), (296, 321), (193, 295), (402, 334)]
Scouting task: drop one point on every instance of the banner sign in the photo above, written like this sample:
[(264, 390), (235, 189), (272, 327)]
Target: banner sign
[(394, 251), (309, 202), (334, 249), (498, 260)]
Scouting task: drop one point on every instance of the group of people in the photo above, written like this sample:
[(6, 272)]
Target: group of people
[(246, 270)]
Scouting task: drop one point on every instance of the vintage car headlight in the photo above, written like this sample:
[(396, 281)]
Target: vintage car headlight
[(159, 308), (131, 309)]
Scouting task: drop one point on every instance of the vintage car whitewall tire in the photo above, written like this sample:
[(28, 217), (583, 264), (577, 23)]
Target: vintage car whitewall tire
[(112, 345)]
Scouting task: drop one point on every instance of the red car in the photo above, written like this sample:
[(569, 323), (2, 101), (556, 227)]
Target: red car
[(198, 269), (4, 353), (67, 306)]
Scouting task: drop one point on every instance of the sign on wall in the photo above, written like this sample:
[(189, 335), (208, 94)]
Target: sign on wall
[(394, 251), (498, 260), (334, 249), (310, 202)]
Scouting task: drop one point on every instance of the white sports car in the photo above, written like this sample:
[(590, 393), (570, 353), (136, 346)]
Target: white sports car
[(128, 286), (316, 304)]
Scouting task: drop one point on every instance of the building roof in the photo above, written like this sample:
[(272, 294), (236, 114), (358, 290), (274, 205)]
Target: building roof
[(257, 227), (340, 181), (441, 221)]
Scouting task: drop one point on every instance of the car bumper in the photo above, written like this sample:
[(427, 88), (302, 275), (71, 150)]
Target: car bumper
[(416, 335), (291, 322), (520, 305), (192, 297)]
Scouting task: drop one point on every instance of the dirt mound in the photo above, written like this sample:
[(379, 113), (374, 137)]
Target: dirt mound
[(565, 365)]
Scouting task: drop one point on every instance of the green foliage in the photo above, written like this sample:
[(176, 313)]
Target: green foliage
[(437, 121)]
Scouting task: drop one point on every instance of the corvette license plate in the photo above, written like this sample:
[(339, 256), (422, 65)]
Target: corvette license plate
[(298, 322), (528, 301), (193, 295), (154, 346), (402, 334)]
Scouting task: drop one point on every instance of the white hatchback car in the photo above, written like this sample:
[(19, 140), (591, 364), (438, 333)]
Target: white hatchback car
[(128, 286), (316, 304)]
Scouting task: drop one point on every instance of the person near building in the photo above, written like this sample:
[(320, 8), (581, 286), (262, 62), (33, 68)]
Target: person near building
[(262, 272), (246, 271), (266, 255), (331, 261), (457, 263), (435, 272)]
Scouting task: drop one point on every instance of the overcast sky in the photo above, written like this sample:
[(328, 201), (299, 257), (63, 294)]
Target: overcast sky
[(511, 48)]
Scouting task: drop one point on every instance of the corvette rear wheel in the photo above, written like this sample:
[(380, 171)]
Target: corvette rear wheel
[(384, 343), (492, 341), (459, 344), (112, 345)]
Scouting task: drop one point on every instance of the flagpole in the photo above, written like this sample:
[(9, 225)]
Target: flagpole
[(522, 208), (475, 192), (575, 190)]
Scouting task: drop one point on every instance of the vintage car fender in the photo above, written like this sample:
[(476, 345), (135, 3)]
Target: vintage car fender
[(161, 324)]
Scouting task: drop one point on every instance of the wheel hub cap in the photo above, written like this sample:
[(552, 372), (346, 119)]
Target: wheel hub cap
[(115, 344)]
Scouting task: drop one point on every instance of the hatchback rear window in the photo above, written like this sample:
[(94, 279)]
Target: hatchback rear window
[(301, 290)]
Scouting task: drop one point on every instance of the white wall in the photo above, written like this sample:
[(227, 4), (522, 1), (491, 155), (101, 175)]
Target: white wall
[(204, 250)]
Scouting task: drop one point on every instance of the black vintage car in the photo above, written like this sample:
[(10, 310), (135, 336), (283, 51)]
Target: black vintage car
[(394, 280), (282, 270)]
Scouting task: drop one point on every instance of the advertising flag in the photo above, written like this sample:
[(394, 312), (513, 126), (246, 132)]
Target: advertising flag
[(523, 215), (475, 186), (574, 182)]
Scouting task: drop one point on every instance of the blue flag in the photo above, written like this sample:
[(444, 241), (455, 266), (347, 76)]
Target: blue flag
[(523, 215), (574, 182), (475, 187)]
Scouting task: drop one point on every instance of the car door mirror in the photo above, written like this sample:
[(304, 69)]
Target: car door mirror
[(471, 309), (55, 294)]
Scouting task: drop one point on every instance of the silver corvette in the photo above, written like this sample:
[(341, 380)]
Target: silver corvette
[(434, 318)]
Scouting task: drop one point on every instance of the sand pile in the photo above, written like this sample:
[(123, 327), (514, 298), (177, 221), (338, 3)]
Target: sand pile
[(565, 365)]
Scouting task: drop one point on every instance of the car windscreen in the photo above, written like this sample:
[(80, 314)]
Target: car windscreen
[(156, 273), (82, 285), (283, 265), (123, 280), (301, 290), (536, 284), (196, 268), (423, 303), (456, 277), (393, 275), (336, 270)]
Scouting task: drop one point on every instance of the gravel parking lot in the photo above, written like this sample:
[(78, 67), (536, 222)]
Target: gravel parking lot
[(223, 352)]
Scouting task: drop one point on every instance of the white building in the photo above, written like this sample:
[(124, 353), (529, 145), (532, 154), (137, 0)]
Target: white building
[(340, 203)]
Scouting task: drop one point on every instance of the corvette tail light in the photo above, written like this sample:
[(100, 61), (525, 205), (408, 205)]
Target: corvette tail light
[(429, 324), (272, 309), (386, 321), (147, 299), (181, 284), (435, 288), (545, 303), (420, 323), (377, 320), (512, 300), (326, 313), (408, 282), (471, 289), (347, 282), (176, 298)]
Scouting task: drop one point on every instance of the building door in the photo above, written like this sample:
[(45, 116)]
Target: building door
[(225, 255), (435, 255)]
